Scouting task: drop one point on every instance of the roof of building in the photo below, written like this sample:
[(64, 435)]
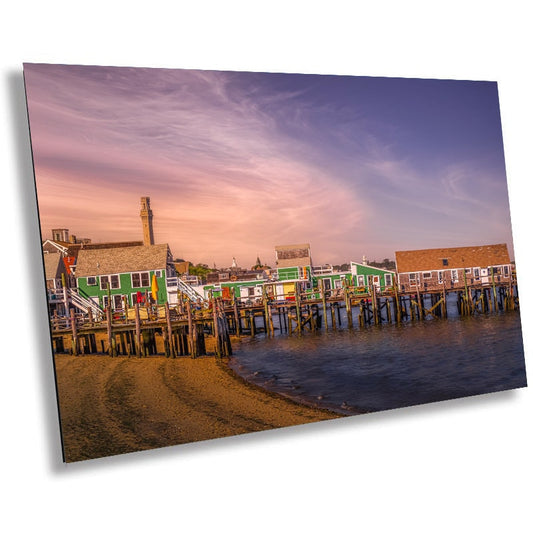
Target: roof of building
[(53, 266), (72, 249), (101, 261), (460, 257)]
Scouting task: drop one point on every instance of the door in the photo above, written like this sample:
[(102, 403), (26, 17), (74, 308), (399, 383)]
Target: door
[(485, 275)]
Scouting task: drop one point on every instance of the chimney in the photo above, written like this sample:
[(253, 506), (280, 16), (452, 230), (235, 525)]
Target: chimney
[(146, 217)]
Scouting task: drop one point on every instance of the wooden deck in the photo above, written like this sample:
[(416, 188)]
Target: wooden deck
[(190, 330)]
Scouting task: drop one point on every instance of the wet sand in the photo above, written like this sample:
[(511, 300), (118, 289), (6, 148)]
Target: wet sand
[(111, 406)]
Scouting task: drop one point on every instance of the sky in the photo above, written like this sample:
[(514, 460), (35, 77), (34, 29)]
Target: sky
[(236, 163)]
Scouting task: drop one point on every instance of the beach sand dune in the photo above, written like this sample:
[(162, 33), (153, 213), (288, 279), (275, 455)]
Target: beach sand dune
[(118, 405)]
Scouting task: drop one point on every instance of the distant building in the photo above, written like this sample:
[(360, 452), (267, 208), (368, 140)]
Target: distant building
[(452, 267), (147, 221), (364, 276)]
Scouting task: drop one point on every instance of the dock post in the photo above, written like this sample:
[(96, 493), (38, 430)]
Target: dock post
[(324, 303), (110, 336), (190, 327), (74, 328), (348, 304), (266, 317), (298, 310), (236, 314), (169, 348), (138, 346)]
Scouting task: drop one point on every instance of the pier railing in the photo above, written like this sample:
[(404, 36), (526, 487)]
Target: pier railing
[(191, 327)]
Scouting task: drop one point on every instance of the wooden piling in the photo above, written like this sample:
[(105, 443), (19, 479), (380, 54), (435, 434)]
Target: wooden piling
[(75, 340), (324, 303), (139, 349), (110, 336), (169, 348), (298, 310)]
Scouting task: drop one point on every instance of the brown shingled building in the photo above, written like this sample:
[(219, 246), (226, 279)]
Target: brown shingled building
[(449, 267)]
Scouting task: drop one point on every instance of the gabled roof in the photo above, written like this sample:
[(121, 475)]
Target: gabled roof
[(72, 249), (53, 266), (461, 257), (102, 261), (50, 246), (372, 267)]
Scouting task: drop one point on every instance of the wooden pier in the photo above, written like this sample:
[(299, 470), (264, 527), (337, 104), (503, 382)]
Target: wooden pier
[(188, 329)]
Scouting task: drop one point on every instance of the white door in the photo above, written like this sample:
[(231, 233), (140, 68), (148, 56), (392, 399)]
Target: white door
[(484, 275)]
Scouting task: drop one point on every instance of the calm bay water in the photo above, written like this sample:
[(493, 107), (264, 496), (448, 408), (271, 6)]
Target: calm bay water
[(389, 366)]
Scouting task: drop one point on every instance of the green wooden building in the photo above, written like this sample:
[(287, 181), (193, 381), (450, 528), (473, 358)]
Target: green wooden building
[(124, 274), (363, 275)]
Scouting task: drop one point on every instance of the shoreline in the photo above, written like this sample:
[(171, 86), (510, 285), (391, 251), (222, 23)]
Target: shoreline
[(115, 405), (225, 365)]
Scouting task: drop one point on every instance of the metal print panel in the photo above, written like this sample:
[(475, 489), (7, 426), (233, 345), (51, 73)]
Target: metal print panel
[(229, 252)]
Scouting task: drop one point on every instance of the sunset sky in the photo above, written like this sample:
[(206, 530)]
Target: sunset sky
[(236, 163)]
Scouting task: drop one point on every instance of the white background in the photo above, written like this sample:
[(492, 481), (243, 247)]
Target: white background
[(463, 465)]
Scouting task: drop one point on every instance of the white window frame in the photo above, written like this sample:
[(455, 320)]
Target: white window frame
[(427, 275), (476, 271), (415, 280), (440, 276), (454, 275), (506, 271), (361, 280), (95, 278), (388, 280), (109, 280), (158, 273), (113, 301), (140, 274)]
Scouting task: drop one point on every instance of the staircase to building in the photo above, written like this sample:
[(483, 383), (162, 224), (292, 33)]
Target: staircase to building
[(186, 289), (84, 304)]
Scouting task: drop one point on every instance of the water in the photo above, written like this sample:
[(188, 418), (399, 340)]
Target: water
[(389, 366)]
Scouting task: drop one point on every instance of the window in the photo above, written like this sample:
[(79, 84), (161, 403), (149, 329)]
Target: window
[(338, 283), (476, 273), (140, 279), (440, 276), (91, 281), (158, 273), (445, 262), (427, 275), (388, 280), (455, 277), (413, 278), (468, 270), (112, 281), (360, 281), (116, 301), (506, 271)]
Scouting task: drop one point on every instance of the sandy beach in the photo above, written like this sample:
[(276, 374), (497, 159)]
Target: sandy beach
[(111, 406)]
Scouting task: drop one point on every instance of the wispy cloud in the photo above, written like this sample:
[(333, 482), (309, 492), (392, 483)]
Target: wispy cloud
[(237, 163)]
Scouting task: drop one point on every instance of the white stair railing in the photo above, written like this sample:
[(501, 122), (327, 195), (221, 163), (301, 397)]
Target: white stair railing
[(84, 304)]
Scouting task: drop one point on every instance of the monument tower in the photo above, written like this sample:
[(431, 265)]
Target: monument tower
[(146, 217)]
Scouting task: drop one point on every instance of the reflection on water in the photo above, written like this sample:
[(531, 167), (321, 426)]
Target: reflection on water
[(388, 366)]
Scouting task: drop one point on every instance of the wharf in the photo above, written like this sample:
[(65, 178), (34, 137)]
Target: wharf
[(190, 330)]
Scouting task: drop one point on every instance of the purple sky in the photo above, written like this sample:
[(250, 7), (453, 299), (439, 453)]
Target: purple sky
[(237, 163)]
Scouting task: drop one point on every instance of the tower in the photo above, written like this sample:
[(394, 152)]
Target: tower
[(146, 217)]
